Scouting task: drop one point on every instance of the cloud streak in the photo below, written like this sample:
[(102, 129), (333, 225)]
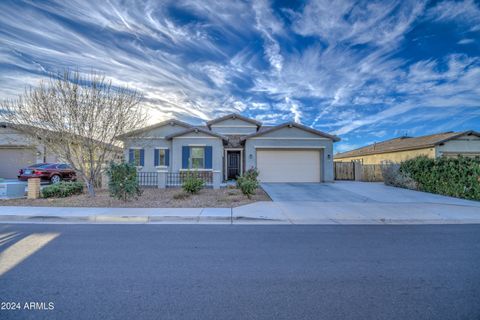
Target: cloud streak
[(350, 68)]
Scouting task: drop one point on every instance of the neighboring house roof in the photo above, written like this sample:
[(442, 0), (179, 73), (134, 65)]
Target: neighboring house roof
[(233, 116), (154, 126), (290, 125), (50, 132), (196, 130), (404, 144)]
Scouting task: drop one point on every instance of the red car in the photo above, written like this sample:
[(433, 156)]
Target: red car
[(53, 172)]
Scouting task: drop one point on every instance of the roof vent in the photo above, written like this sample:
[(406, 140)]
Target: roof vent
[(196, 130), (290, 125), (172, 123), (234, 117)]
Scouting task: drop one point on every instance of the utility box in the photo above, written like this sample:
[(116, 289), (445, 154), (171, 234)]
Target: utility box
[(12, 189)]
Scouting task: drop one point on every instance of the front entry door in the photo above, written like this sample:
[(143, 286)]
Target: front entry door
[(233, 164)]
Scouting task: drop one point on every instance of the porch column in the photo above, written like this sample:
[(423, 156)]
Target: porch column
[(162, 179), (217, 179)]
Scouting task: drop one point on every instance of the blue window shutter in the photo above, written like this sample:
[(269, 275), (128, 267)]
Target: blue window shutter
[(142, 157), (167, 157), (208, 157), (185, 156), (156, 157), (131, 156)]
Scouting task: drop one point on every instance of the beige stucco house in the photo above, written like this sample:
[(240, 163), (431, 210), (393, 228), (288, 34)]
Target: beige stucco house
[(447, 144), (18, 150)]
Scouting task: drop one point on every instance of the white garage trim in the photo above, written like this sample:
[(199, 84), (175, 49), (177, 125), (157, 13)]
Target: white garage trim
[(289, 164), (286, 138), (287, 147)]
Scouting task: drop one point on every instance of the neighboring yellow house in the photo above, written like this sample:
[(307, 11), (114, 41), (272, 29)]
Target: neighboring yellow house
[(447, 144)]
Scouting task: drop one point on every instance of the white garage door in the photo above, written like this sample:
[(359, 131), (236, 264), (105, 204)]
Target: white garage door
[(13, 159), (289, 165)]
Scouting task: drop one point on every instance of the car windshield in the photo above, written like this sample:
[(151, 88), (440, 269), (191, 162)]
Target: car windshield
[(38, 165)]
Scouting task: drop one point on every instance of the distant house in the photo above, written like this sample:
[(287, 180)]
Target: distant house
[(447, 144), (18, 150), (229, 145)]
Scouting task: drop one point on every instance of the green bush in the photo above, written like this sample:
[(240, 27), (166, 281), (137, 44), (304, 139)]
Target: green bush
[(123, 183), (192, 183), (456, 177), (62, 189), (252, 173), (248, 183)]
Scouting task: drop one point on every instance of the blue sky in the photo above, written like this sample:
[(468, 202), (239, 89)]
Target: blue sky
[(366, 71)]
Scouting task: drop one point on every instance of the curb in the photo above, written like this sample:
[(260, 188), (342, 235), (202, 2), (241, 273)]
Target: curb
[(102, 219)]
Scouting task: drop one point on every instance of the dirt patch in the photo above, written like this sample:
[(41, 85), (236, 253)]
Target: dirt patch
[(151, 198)]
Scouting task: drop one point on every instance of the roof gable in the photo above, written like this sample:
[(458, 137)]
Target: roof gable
[(196, 130), (233, 116), (141, 132), (292, 125)]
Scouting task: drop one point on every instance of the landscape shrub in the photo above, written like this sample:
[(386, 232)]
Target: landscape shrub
[(62, 189), (392, 176), (123, 183), (248, 183), (457, 177), (192, 183)]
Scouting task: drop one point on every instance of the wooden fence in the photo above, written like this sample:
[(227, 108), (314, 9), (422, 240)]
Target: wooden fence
[(344, 170), (358, 171)]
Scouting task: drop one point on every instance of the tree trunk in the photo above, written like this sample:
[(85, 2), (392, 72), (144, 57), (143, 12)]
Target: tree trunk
[(90, 188)]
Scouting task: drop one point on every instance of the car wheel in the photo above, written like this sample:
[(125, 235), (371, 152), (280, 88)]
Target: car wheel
[(55, 178)]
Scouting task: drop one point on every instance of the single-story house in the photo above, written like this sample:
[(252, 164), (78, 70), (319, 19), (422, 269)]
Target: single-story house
[(18, 150), (288, 152), (446, 144)]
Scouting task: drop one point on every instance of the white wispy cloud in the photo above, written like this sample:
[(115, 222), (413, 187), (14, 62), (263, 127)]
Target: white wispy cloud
[(339, 66)]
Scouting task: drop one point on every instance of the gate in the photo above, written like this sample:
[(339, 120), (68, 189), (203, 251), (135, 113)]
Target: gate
[(344, 170)]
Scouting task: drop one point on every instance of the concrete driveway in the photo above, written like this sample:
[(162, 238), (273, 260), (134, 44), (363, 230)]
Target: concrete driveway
[(353, 191), (316, 192), (358, 202)]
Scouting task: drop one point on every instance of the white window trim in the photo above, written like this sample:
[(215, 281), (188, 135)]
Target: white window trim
[(161, 166), (190, 158), (195, 170)]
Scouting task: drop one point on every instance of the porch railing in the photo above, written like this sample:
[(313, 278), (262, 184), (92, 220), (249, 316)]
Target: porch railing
[(147, 179), (172, 179), (176, 179)]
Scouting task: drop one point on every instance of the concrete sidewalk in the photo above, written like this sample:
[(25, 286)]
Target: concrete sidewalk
[(263, 212)]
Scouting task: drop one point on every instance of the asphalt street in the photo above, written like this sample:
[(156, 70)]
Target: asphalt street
[(240, 272)]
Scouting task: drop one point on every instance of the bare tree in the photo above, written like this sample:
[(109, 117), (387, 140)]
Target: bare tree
[(78, 118)]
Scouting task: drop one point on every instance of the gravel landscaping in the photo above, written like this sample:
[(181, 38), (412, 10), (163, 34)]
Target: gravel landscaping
[(151, 198)]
